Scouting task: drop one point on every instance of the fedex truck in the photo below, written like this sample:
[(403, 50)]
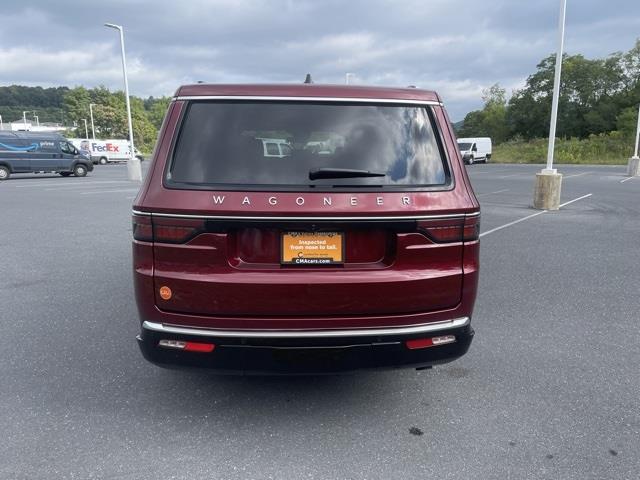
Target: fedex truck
[(105, 151)]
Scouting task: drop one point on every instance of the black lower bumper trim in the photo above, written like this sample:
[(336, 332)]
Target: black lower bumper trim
[(304, 356)]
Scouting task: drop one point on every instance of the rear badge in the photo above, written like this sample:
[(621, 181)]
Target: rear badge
[(312, 248)]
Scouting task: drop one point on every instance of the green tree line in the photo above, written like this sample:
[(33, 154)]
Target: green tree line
[(69, 106), (598, 98)]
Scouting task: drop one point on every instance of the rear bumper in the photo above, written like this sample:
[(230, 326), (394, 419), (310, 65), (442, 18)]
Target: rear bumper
[(304, 351)]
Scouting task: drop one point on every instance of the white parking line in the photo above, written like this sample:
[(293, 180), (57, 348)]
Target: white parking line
[(77, 183), (492, 193), (577, 175), (531, 216), (512, 175), (109, 191), (575, 200), (626, 179)]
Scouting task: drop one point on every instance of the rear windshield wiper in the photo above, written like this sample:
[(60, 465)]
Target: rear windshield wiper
[(318, 173)]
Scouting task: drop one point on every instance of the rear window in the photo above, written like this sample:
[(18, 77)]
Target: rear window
[(277, 145)]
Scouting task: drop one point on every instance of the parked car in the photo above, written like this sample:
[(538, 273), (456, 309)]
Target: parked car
[(362, 255), (475, 149), (105, 151), (26, 152)]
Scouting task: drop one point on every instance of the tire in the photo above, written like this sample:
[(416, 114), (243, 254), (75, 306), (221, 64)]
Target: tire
[(471, 160), (65, 174), (4, 173), (487, 158), (80, 170), (103, 161)]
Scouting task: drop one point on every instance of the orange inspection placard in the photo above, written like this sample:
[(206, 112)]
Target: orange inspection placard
[(312, 248)]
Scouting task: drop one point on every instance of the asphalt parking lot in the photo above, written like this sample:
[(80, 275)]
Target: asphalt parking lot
[(550, 387)]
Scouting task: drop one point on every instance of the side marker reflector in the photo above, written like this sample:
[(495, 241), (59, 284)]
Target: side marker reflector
[(418, 343), (165, 293)]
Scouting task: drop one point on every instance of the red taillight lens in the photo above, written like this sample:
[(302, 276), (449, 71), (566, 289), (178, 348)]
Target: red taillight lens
[(419, 343), (142, 228), (165, 230), (187, 346), (451, 230)]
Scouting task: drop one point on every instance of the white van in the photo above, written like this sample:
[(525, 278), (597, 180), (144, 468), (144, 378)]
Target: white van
[(104, 151), (475, 149)]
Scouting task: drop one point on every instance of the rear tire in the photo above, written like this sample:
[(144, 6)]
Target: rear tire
[(4, 173), (80, 170), (471, 160), (103, 161), (65, 174), (487, 158)]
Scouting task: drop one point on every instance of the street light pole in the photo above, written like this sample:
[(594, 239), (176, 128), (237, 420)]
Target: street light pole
[(633, 167), (37, 119), (134, 169), (86, 132), (93, 130), (546, 194), (1, 124), (635, 154), (24, 120), (556, 87)]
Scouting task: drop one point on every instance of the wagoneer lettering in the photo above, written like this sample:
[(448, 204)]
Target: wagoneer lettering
[(305, 229)]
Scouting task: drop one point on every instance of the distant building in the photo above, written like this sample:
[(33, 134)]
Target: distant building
[(21, 125)]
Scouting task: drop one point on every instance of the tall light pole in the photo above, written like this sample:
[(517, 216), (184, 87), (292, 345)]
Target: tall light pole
[(24, 120), (37, 119), (546, 195), (86, 131), (633, 168), (133, 165), (1, 124), (93, 130)]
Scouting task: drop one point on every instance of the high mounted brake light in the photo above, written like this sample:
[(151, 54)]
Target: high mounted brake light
[(166, 230), (451, 230)]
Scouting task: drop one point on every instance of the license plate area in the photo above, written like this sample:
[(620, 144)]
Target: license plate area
[(311, 248)]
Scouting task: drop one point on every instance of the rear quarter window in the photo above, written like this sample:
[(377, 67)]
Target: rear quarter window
[(249, 145)]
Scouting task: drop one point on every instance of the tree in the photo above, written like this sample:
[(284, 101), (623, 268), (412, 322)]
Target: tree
[(491, 120)]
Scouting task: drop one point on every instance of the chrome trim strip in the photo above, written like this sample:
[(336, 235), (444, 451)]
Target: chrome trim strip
[(363, 332), (307, 99), (309, 219), (138, 212)]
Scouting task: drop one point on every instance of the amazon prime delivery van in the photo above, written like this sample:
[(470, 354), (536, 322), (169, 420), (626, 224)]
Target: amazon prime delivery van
[(105, 151), (40, 152)]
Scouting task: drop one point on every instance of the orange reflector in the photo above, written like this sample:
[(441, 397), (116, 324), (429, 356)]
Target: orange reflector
[(165, 293), (418, 343)]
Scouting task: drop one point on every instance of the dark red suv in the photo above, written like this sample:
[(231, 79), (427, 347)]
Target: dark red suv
[(305, 228)]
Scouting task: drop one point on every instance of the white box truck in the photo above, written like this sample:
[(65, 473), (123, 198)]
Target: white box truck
[(105, 151), (475, 149)]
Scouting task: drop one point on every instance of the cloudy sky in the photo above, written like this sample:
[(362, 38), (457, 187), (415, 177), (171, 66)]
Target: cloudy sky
[(457, 47)]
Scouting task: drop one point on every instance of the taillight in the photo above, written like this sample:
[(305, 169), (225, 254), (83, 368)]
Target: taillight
[(451, 230), (166, 230), (142, 228)]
